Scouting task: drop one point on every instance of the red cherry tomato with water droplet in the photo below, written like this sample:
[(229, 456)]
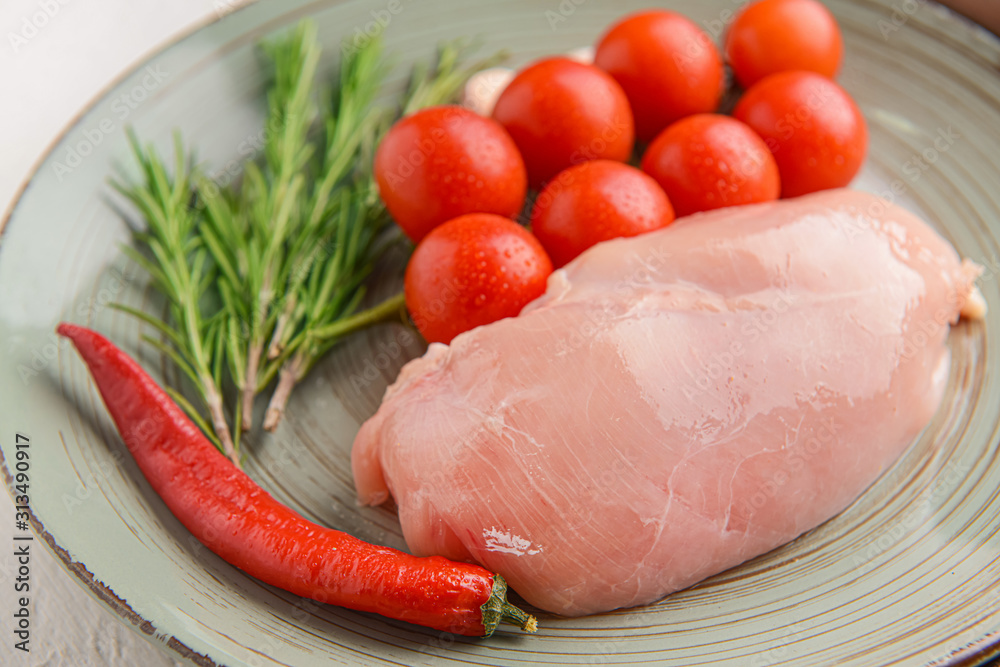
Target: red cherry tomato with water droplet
[(470, 271), (593, 202), (774, 36), (708, 161), (812, 126), (667, 65), (446, 161), (561, 112)]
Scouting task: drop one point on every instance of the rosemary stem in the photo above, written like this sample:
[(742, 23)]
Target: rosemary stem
[(277, 338), (295, 368), (212, 395), (287, 378), (392, 307), (214, 402), (250, 383)]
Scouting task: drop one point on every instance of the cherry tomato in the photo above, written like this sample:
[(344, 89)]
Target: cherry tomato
[(708, 161), (470, 271), (774, 36), (593, 202), (812, 126), (667, 65), (561, 112), (446, 161)]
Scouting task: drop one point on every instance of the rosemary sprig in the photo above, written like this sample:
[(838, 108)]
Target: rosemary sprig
[(264, 276), (181, 270), (330, 302), (272, 195), (331, 243)]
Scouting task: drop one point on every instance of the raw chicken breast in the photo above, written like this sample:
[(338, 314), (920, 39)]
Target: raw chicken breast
[(675, 403)]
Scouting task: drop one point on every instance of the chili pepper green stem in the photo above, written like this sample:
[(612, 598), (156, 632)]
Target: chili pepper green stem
[(498, 609)]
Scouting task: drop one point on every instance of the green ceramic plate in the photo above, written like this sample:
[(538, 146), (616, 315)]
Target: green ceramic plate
[(907, 575)]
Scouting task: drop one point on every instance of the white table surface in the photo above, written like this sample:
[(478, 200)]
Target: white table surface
[(47, 75), (81, 46)]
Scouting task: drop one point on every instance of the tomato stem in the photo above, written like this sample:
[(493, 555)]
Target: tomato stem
[(498, 609)]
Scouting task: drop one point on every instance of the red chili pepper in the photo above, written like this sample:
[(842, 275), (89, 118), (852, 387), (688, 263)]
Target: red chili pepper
[(231, 515)]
